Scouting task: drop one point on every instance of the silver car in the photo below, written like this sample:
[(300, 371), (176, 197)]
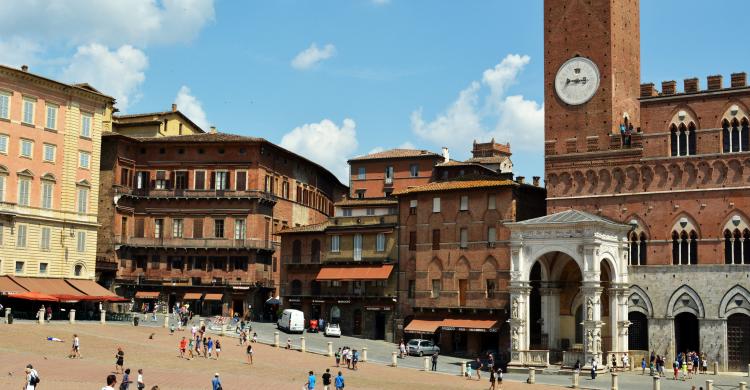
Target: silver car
[(421, 347)]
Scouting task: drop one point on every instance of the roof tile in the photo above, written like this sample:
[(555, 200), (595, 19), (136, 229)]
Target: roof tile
[(396, 153)]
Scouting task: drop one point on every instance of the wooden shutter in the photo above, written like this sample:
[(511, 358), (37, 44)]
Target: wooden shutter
[(139, 227), (213, 180), (241, 180), (198, 228), (200, 180)]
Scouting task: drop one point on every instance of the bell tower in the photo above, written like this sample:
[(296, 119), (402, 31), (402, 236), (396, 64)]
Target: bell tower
[(591, 73)]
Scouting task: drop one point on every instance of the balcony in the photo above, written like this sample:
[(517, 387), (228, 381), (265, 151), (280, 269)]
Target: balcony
[(178, 193), (364, 221), (301, 259), (195, 243), (327, 292), (194, 281)]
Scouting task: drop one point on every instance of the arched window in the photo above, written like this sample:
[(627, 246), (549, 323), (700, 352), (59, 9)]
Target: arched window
[(78, 270), (736, 241), (315, 251), (296, 287), (691, 139), (673, 140), (735, 135), (745, 135), (682, 142), (684, 243), (297, 251), (638, 248), (725, 136)]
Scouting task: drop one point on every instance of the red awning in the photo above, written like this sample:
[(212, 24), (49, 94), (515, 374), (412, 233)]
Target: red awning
[(34, 296), (94, 291), (192, 296), (49, 286), (422, 326), (147, 294), (464, 324), (8, 286), (213, 297), (359, 272)]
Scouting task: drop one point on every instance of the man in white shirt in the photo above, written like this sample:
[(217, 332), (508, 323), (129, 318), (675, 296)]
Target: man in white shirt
[(32, 378), (111, 382)]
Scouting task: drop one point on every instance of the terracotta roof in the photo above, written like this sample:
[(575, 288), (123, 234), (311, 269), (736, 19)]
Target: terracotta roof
[(147, 117), (454, 163), (396, 153), (359, 272), (313, 228), (489, 160), (204, 137), (366, 202), (462, 183)]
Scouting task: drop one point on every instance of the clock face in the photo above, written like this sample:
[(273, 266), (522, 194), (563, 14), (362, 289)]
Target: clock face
[(577, 80)]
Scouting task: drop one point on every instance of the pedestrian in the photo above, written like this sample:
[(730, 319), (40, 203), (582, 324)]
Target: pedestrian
[(49, 313), (675, 368), (402, 349), (614, 363), (326, 379), (704, 362), (210, 347), (139, 382), (310, 381), (337, 356), (288, 343), (479, 366), (643, 366), (75, 349), (120, 360), (593, 369), (625, 361), (434, 361), (499, 377), (216, 383), (249, 354), (339, 382), (349, 358), (577, 367), (125, 380), (218, 348), (469, 370), (111, 382), (190, 349), (492, 380), (355, 359), (205, 345), (683, 370), (255, 337), (32, 378)]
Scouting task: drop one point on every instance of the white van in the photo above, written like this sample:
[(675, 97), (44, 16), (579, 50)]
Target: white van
[(292, 321)]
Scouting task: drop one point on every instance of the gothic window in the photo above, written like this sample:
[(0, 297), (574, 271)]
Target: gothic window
[(684, 243), (691, 139), (736, 241), (673, 140), (638, 249), (745, 135), (735, 134), (726, 137)]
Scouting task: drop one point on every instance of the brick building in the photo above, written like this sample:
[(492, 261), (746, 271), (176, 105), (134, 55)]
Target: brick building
[(379, 174), (194, 218), (659, 181)]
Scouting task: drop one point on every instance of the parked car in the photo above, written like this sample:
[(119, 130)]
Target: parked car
[(332, 330), (292, 321), (421, 347)]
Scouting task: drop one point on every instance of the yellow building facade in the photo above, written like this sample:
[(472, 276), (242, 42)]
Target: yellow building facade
[(156, 124)]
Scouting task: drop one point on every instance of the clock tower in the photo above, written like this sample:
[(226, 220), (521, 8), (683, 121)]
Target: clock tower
[(591, 74)]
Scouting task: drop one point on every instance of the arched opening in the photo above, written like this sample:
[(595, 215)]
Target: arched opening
[(673, 142), (297, 251), (726, 138), (535, 307), (638, 248), (738, 340), (691, 139), (335, 315), (686, 333), (683, 140), (296, 287), (638, 331), (78, 270), (357, 322), (684, 247), (735, 135), (579, 325), (745, 135), (315, 251)]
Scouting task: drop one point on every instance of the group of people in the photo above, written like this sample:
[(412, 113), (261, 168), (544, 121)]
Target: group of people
[(243, 337), (208, 347), (347, 356), (685, 365), (337, 382), (494, 370)]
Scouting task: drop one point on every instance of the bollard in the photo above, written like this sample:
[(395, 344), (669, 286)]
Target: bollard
[(716, 368), (532, 376), (394, 359), (72, 316), (743, 385), (614, 381), (427, 363), (223, 329), (202, 324), (364, 354), (709, 384), (330, 349), (7, 314), (748, 370), (575, 380), (166, 320), (302, 344), (657, 383), (103, 317), (463, 368), (40, 315), (276, 339)]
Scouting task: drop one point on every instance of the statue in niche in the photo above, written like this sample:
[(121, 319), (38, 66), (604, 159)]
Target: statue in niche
[(590, 310), (514, 339), (598, 338), (514, 309), (590, 341)]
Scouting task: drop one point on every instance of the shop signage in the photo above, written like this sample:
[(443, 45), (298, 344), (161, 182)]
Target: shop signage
[(478, 330), (318, 301), (378, 308), (294, 300), (344, 301), (240, 287)]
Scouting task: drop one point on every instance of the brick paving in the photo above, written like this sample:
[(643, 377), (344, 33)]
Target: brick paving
[(24, 343)]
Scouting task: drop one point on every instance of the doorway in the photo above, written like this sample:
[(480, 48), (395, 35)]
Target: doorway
[(738, 338), (638, 331), (379, 326), (357, 322), (686, 333), (238, 307)]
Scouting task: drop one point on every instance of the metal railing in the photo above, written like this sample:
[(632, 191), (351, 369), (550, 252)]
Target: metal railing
[(188, 193), (195, 242)]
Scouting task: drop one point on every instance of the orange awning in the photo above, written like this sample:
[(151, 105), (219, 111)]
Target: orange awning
[(192, 296), (213, 297), (90, 287), (469, 324), (8, 286), (34, 296), (54, 287), (423, 326), (147, 294), (359, 272)]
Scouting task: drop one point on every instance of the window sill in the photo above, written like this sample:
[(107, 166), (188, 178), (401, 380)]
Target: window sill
[(28, 125), (84, 137), (5, 120), (26, 157), (50, 130)]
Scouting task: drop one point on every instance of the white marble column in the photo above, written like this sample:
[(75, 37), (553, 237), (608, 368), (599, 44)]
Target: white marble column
[(592, 322), (619, 296), (551, 315), (519, 320)]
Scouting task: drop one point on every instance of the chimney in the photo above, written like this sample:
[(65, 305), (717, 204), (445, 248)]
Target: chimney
[(536, 180), (520, 179), (715, 82), (174, 107), (691, 85), (446, 155), (668, 87), (739, 80), (648, 89), (25, 68), (213, 130)]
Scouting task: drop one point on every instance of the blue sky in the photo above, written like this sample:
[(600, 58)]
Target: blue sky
[(368, 75)]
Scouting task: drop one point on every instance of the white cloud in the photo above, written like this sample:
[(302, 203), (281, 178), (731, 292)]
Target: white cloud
[(112, 23), (313, 55), (117, 73), (191, 107), (325, 143), (482, 111)]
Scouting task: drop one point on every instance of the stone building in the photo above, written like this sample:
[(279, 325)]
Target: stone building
[(193, 218), (656, 259), (379, 174)]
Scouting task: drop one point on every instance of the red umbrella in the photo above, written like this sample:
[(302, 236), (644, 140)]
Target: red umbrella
[(34, 296)]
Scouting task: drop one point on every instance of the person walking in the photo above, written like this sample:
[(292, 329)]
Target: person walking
[(355, 359), (492, 380), (255, 337), (249, 354), (479, 365), (593, 369), (402, 349), (190, 349), (111, 382), (216, 383), (75, 348), (349, 358), (499, 377), (337, 356), (205, 345), (326, 379), (339, 382), (210, 346), (32, 378), (643, 366), (434, 361), (125, 384), (139, 381), (183, 347), (310, 381), (120, 360), (218, 348)]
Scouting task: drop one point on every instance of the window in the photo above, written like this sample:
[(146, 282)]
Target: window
[(684, 247), (81, 247), (411, 289), (370, 211), (84, 159), (177, 228), (491, 236), (735, 136), (141, 180), (490, 288), (86, 120), (285, 189), (412, 241), (219, 228), (27, 148), (1, 233), (637, 248), (221, 180), (2, 187), (42, 268), (414, 170), (198, 228), (357, 255), (49, 152), (4, 105), (268, 186), (436, 239), (491, 202), (19, 267), (361, 173), (51, 117), (158, 228), (200, 180), (347, 212), (389, 174), (464, 234), (737, 246), (335, 244), (239, 229), (464, 203), (413, 207), (682, 139), (124, 177), (28, 110), (24, 189), (83, 200), (3, 143), (44, 242), (241, 180), (435, 205), (436, 285), (161, 180), (181, 180), (380, 242), (21, 236), (78, 270), (47, 190)]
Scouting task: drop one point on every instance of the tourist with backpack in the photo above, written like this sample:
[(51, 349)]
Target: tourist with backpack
[(32, 378)]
